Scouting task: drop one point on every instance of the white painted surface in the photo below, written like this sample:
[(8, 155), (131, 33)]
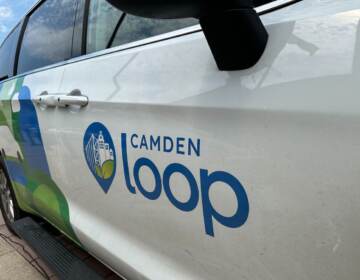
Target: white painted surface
[(286, 128)]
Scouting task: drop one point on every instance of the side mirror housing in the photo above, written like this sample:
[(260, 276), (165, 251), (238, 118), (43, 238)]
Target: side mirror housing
[(234, 31)]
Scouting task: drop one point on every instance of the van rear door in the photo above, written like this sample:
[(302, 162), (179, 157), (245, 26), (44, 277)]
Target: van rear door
[(30, 126)]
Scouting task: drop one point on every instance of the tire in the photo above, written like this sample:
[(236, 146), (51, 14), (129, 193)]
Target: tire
[(8, 205)]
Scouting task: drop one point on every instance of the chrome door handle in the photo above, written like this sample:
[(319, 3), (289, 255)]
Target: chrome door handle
[(74, 98), (46, 100)]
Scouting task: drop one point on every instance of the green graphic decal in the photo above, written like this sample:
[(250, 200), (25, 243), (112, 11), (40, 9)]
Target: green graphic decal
[(35, 190), (107, 169)]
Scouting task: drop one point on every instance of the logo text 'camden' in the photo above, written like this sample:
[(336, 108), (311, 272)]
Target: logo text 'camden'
[(100, 154)]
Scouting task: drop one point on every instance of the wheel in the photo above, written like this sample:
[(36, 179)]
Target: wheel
[(8, 204)]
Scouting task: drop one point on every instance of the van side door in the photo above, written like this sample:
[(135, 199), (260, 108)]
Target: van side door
[(176, 170), (130, 89)]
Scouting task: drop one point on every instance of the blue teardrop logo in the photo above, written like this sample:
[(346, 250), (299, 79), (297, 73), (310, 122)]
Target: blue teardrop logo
[(100, 154)]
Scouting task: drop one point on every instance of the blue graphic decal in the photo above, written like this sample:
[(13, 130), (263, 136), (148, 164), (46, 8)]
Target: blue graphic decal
[(100, 154), (30, 140), (17, 172), (199, 190), (33, 148)]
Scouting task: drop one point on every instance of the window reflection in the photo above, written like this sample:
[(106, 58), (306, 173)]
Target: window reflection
[(137, 28), (103, 19), (48, 35), (108, 28), (7, 54)]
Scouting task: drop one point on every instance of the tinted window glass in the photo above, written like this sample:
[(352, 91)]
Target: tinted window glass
[(7, 54), (136, 28), (48, 35), (104, 29), (103, 20), (78, 29)]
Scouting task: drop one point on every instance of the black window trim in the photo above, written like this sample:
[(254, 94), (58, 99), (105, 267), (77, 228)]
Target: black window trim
[(22, 33), (85, 26), (18, 46), (120, 48)]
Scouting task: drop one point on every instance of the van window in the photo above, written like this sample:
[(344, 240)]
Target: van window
[(102, 22), (109, 27), (48, 36), (135, 28), (7, 54)]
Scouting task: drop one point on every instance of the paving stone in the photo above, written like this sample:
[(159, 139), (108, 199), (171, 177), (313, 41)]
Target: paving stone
[(4, 247), (15, 267), (23, 249), (4, 230), (1, 220), (9, 268)]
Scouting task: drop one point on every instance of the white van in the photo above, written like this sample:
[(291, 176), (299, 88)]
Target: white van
[(170, 149)]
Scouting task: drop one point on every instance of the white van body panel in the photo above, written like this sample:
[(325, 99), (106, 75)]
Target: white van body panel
[(287, 129)]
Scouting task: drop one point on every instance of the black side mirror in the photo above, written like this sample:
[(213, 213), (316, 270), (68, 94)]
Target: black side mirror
[(234, 31)]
